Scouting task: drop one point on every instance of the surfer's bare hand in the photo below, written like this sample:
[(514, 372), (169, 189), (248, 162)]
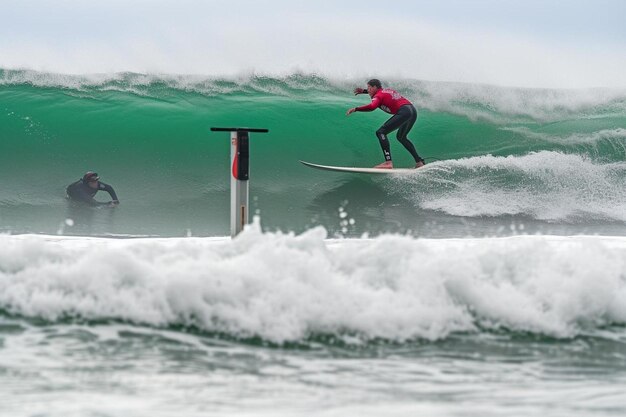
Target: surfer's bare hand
[(350, 111), (359, 90)]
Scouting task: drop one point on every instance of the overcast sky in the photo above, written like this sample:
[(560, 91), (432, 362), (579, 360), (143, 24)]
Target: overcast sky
[(534, 43)]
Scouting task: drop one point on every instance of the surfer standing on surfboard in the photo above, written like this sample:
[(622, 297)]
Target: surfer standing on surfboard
[(404, 116)]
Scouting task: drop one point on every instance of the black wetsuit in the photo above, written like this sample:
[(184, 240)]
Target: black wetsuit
[(81, 191), (403, 120)]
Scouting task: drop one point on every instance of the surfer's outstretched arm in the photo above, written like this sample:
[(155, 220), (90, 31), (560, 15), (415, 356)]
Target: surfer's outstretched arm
[(111, 191)]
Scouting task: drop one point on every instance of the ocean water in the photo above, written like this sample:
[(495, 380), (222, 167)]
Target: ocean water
[(550, 159), (491, 283)]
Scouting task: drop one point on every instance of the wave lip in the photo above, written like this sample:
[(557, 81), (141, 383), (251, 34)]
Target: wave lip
[(283, 287), (474, 101)]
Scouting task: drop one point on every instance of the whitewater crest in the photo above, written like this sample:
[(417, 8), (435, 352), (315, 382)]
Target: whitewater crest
[(287, 287), (475, 101)]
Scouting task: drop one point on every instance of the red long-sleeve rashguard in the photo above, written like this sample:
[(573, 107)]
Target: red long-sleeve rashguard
[(387, 99)]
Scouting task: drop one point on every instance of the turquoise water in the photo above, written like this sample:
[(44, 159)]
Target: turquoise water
[(552, 158), (499, 291)]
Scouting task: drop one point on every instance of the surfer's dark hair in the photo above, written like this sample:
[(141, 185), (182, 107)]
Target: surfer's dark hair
[(375, 83)]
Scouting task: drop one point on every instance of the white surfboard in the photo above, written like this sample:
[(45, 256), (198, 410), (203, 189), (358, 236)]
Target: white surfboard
[(397, 171)]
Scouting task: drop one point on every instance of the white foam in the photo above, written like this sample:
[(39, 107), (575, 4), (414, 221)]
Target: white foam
[(545, 185), (284, 287)]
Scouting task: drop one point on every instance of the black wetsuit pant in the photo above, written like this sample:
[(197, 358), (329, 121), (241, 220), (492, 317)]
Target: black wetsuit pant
[(403, 121)]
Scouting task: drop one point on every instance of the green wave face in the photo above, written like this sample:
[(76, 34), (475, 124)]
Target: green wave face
[(545, 155)]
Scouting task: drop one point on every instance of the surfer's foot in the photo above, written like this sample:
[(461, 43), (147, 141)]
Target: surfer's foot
[(385, 165), (420, 164)]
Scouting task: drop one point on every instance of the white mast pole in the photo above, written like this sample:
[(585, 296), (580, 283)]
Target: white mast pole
[(239, 175)]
